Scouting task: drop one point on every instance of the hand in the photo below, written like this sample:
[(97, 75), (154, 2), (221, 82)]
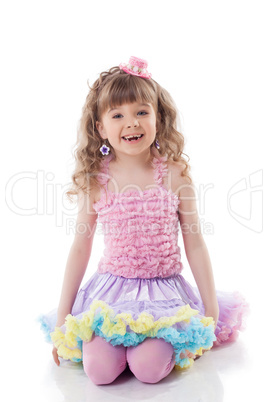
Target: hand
[(55, 355)]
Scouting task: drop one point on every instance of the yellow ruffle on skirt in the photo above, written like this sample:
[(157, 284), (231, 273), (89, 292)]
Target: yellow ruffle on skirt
[(189, 335)]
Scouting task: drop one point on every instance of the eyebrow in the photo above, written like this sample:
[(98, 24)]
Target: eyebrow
[(140, 104)]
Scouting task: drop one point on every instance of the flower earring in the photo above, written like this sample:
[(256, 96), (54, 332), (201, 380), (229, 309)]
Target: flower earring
[(104, 149), (157, 144)]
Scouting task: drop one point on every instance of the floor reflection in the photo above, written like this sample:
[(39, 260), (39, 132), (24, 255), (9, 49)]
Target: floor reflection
[(201, 382)]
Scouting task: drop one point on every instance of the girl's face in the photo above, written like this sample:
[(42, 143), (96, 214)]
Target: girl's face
[(126, 120)]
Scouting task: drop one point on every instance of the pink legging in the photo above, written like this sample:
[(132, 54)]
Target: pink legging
[(150, 361)]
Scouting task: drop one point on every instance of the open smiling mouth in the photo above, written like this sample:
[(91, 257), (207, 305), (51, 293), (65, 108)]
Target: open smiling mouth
[(134, 138)]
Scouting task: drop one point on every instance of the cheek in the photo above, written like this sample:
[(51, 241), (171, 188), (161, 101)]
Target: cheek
[(153, 124)]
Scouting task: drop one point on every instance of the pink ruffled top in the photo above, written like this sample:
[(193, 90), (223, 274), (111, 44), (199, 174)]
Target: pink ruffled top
[(140, 227)]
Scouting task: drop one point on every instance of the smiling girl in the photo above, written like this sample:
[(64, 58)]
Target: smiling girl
[(131, 176)]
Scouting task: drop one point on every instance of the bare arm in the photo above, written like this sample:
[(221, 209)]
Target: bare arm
[(79, 256), (196, 250), (74, 272)]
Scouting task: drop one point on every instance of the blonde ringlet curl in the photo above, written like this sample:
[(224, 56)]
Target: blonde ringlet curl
[(113, 88)]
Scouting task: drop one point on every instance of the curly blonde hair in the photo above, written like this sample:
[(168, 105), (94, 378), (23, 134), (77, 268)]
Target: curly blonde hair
[(114, 88)]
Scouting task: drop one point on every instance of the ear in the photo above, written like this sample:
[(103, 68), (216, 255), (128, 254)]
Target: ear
[(101, 130)]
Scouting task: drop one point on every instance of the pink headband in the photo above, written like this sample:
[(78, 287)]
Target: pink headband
[(136, 67)]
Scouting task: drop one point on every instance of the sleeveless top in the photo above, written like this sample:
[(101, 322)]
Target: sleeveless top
[(140, 227)]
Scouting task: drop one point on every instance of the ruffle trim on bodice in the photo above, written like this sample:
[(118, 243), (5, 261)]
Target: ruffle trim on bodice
[(155, 200), (160, 171), (140, 227)]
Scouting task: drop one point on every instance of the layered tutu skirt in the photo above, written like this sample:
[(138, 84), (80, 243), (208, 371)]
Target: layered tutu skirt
[(125, 311)]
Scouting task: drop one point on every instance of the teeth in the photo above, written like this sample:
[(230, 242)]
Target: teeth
[(133, 136)]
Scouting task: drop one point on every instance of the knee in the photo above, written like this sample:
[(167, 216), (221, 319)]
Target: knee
[(106, 368), (152, 360), (101, 373)]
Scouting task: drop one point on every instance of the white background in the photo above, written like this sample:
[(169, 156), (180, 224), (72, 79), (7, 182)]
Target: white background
[(212, 57)]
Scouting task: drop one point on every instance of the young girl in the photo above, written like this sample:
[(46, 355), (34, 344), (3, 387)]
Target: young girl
[(137, 309)]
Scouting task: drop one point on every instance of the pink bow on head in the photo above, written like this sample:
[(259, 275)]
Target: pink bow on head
[(136, 67)]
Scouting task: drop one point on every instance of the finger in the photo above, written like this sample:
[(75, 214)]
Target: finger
[(58, 360), (56, 357)]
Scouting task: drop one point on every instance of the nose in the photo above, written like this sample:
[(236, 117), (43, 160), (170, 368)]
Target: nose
[(134, 123)]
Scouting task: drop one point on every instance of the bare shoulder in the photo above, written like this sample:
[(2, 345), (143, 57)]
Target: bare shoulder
[(187, 209), (94, 195), (85, 202), (177, 180), (176, 167), (86, 218)]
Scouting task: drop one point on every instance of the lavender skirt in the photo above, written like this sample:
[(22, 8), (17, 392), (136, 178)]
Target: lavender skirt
[(159, 297)]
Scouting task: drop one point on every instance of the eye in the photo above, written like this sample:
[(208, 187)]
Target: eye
[(143, 112), (117, 116)]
